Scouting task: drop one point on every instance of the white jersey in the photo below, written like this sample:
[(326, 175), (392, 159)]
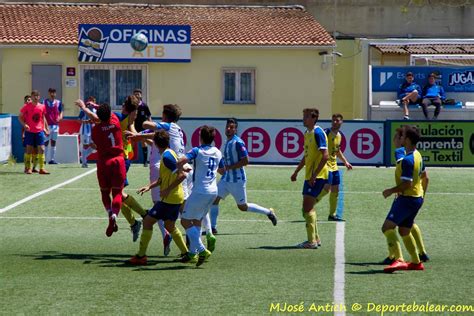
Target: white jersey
[(176, 141), (206, 160)]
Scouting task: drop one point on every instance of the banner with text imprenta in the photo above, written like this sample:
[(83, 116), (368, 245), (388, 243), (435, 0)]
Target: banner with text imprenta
[(281, 141), (449, 143)]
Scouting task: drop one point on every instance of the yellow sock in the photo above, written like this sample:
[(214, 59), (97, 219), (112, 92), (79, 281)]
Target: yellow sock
[(133, 204), (316, 233), (34, 160), (144, 241), (178, 240), (127, 213), (416, 232), (333, 203), (393, 244), (321, 195), (41, 159), (310, 218), (409, 242), (28, 161)]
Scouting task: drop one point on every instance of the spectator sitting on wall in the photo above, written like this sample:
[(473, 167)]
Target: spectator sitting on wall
[(409, 93), (433, 94)]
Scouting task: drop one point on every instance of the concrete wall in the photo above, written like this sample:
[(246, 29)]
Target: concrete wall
[(287, 80)]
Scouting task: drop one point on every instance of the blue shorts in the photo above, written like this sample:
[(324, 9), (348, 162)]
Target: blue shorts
[(34, 139), (164, 211), (127, 166), (404, 210), (314, 190), (334, 178)]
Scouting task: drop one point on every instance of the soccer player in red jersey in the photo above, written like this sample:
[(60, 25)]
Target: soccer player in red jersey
[(107, 135)]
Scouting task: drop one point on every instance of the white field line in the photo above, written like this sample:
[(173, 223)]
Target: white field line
[(339, 270), (35, 195), (289, 191)]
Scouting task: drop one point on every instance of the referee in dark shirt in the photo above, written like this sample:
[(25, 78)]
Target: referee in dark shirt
[(143, 114)]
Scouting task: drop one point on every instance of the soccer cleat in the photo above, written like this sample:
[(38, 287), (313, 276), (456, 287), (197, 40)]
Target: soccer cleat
[(167, 244), (112, 226), (138, 261), (395, 266), (424, 257), (387, 261), (406, 117), (34, 170), (415, 266), (335, 218), (272, 217), (214, 231), (43, 171), (53, 162), (84, 165), (211, 242), (135, 228), (187, 258), (28, 171), (307, 245), (203, 256)]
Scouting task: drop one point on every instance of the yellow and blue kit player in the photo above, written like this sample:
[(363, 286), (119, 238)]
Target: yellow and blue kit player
[(316, 174), (410, 182)]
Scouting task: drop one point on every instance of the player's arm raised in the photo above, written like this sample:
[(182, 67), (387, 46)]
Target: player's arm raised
[(88, 112)]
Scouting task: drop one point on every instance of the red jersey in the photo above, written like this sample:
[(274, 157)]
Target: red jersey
[(33, 115), (108, 138)]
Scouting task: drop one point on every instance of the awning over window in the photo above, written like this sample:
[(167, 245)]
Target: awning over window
[(421, 48)]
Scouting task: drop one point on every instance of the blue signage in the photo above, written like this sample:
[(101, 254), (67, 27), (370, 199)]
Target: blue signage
[(111, 43), (453, 79)]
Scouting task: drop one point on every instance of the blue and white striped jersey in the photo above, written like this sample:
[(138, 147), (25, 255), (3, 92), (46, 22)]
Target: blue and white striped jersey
[(176, 141), (86, 128), (206, 159), (234, 151)]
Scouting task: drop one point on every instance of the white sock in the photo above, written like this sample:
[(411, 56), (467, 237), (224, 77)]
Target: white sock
[(195, 243), (83, 155), (206, 224), (161, 225), (53, 152), (258, 209), (214, 214)]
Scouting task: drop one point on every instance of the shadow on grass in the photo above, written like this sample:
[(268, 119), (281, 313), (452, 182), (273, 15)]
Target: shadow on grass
[(103, 260), (371, 271), (367, 265), (275, 247)]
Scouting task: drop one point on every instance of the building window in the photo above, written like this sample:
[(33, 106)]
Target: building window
[(112, 83), (238, 86)]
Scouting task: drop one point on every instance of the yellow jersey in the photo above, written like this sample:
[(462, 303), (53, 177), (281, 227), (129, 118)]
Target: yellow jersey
[(315, 141), (127, 145), (168, 174), (410, 168), (334, 145)]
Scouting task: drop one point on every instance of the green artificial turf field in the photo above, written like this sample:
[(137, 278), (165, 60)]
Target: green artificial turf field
[(56, 259)]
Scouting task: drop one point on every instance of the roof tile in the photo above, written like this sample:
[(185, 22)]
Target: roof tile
[(219, 25)]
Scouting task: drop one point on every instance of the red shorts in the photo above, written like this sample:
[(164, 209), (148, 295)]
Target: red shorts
[(111, 173)]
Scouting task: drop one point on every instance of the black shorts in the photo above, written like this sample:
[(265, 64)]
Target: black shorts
[(164, 211)]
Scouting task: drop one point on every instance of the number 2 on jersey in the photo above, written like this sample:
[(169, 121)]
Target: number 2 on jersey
[(211, 165)]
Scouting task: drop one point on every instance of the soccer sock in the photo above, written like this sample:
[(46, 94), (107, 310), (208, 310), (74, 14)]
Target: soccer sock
[(310, 218), (127, 213), (252, 207), (321, 195), (46, 150), (145, 154), (83, 155), (333, 203), (416, 233), (178, 240), (393, 244), (28, 161), (214, 214), (409, 242), (161, 225), (206, 224), (34, 160), (316, 232), (134, 205), (144, 241), (53, 152), (116, 200), (105, 194), (41, 160), (196, 245)]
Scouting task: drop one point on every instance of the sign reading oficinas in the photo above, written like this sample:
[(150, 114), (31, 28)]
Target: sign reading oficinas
[(111, 43)]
